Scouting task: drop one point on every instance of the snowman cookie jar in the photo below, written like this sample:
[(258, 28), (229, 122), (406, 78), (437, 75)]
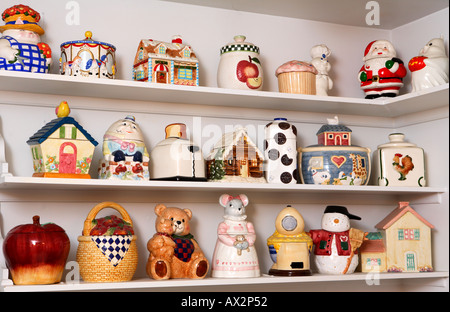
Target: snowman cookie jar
[(290, 245), (336, 243), (125, 156), (21, 48), (235, 254), (430, 68), (240, 66)]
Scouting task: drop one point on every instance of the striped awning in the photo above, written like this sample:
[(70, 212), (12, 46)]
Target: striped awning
[(161, 67)]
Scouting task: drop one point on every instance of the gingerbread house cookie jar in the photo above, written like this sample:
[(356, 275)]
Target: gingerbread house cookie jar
[(166, 62)]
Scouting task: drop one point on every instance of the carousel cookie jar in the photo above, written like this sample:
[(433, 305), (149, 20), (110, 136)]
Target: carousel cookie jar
[(334, 160), (400, 163), (240, 66), (88, 58)]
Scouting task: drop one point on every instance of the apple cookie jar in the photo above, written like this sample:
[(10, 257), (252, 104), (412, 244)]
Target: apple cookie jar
[(334, 160), (36, 253), (240, 66)]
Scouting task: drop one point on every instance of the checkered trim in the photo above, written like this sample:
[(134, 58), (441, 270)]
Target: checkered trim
[(183, 249), (34, 60), (114, 247), (239, 47)]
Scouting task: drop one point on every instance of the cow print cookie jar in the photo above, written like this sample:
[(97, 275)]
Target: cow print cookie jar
[(280, 151)]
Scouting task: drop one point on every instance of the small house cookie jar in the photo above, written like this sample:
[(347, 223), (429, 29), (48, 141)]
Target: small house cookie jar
[(240, 66), (400, 163), (88, 58), (21, 48), (334, 160), (62, 148)]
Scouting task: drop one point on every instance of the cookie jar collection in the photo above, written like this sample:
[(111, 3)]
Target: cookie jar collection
[(290, 242)]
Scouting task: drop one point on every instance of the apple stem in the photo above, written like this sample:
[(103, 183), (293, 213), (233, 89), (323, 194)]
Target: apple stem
[(36, 220), (250, 58)]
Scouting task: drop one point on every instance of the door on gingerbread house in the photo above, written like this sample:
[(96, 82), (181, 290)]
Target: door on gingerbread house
[(243, 168), (67, 157)]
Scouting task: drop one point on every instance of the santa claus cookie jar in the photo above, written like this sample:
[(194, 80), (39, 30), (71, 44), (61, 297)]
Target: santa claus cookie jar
[(430, 68), (21, 48), (336, 243), (382, 73), (235, 253)]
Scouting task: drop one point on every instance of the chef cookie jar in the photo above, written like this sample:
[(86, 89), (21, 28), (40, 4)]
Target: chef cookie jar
[(240, 66)]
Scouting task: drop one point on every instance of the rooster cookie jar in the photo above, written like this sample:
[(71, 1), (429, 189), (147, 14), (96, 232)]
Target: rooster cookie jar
[(235, 252), (177, 158), (88, 58), (334, 160), (430, 68), (21, 48), (240, 66), (400, 163)]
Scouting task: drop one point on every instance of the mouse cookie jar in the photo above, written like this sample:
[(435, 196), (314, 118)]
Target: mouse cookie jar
[(240, 66), (400, 163)]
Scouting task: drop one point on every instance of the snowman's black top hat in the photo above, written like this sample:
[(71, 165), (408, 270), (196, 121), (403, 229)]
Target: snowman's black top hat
[(342, 210)]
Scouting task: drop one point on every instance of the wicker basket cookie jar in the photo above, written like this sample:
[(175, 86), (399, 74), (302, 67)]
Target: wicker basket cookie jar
[(107, 250)]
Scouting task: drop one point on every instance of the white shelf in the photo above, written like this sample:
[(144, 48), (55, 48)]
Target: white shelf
[(149, 284), (190, 191), (217, 97)]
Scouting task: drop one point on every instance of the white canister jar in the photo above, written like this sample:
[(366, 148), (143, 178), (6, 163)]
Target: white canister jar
[(280, 152), (240, 66), (400, 163)]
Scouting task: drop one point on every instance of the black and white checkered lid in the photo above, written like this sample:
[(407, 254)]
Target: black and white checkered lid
[(239, 45)]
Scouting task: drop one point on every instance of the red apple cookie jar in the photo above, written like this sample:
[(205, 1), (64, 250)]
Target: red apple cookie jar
[(36, 253), (240, 66)]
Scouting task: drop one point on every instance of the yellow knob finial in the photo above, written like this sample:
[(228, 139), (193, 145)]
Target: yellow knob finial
[(88, 34), (62, 110)]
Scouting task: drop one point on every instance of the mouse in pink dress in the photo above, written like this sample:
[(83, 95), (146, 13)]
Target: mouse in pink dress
[(235, 253)]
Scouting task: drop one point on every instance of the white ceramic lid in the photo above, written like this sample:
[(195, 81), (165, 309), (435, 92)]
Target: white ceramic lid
[(239, 45), (397, 140)]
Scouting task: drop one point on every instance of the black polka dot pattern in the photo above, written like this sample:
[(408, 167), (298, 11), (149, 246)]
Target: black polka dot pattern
[(281, 152)]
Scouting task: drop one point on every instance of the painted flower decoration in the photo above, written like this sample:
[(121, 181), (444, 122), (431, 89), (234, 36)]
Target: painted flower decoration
[(21, 9), (45, 49)]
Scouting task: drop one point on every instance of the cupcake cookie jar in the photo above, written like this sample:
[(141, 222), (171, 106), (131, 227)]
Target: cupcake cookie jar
[(240, 66), (297, 77), (334, 160), (400, 163), (88, 58)]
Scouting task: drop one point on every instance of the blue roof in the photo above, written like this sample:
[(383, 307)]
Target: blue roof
[(333, 128), (55, 124)]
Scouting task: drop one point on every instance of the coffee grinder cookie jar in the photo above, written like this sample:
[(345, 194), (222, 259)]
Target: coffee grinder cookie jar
[(400, 163), (88, 58), (240, 66)]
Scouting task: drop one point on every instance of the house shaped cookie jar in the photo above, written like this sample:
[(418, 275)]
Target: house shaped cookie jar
[(166, 62), (62, 148), (235, 158)]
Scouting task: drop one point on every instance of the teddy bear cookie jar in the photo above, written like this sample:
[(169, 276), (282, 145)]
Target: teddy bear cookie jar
[(174, 253), (290, 246), (88, 58), (125, 156), (235, 254), (21, 48), (240, 66), (334, 160)]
